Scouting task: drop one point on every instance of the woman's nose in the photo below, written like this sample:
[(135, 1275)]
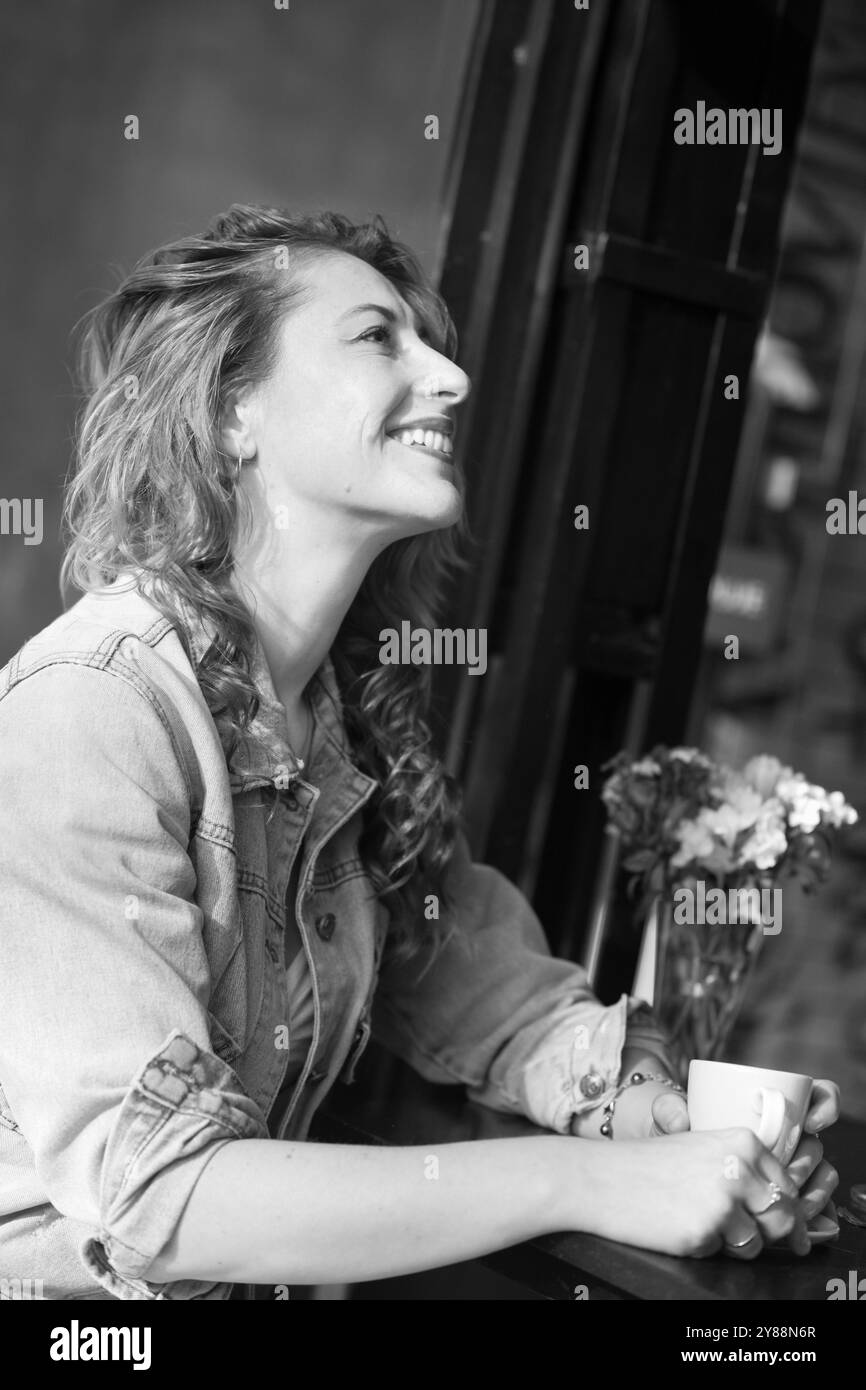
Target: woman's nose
[(444, 378)]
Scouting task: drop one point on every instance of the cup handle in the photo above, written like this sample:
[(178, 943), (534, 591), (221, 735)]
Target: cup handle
[(772, 1116)]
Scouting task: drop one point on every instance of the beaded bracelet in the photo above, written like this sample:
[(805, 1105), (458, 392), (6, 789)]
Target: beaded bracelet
[(637, 1078)]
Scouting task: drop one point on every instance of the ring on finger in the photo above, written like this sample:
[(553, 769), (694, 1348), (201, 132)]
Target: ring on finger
[(740, 1244), (775, 1196)]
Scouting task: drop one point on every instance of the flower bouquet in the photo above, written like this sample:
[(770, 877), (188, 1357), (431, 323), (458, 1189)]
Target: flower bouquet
[(706, 848)]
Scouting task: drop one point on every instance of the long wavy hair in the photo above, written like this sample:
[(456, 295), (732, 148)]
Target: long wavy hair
[(151, 487)]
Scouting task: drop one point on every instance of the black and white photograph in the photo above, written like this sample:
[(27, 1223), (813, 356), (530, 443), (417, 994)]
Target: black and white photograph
[(433, 669)]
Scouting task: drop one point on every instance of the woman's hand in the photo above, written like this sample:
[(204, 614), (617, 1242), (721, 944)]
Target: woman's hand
[(657, 1110), (650, 1109), (814, 1176), (642, 1112), (696, 1194)]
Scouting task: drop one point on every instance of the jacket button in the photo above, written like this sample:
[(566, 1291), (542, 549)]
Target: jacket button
[(325, 925), (292, 803), (591, 1085)]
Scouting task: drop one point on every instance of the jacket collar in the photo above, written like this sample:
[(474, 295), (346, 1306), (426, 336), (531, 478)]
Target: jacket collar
[(263, 753)]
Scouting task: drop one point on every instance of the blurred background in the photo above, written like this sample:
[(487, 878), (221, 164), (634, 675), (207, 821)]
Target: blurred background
[(323, 105), (795, 594)]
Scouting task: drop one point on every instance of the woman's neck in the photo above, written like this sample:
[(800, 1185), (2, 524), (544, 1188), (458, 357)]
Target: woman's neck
[(298, 600)]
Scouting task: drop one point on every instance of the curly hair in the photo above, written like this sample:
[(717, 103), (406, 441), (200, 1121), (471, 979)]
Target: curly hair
[(152, 488)]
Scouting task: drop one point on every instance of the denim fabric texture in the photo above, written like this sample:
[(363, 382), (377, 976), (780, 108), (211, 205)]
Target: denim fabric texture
[(142, 972)]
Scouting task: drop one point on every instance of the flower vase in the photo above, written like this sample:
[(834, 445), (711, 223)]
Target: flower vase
[(698, 976)]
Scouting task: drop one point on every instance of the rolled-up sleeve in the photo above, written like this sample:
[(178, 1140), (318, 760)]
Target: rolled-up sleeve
[(495, 1011), (105, 1053)]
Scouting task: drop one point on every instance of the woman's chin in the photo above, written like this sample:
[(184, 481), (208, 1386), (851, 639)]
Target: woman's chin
[(443, 517), (441, 508)]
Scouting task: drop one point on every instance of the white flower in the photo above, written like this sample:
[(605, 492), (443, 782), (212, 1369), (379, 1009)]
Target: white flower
[(791, 786), (759, 807), (838, 811), (805, 815), (765, 846), (726, 820), (646, 767), (696, 842), (763, 773), (741, 804), (690, 755), (711, 837), (707, 840), (804, 803)]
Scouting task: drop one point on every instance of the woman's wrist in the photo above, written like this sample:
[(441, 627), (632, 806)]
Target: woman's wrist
[(632, 1104), (633, 1114), (577, 1172), (594, 1181), (639, 1059)]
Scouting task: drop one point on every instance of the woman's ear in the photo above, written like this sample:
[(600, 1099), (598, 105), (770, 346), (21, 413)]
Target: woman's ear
[(236, 424)]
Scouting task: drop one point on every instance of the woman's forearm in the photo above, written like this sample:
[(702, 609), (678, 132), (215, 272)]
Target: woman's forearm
[(267, 1211)]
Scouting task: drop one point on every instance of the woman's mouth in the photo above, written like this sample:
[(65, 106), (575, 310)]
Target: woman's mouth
[(430, 441)]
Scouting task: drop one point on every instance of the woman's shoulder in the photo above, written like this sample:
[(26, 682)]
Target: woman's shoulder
[(91, 631), (108, 672)]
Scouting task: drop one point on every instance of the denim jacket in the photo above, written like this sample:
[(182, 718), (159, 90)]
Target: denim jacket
[(142, 975)]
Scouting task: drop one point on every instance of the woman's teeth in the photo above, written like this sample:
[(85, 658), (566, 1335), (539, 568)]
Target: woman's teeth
[(425, 439)]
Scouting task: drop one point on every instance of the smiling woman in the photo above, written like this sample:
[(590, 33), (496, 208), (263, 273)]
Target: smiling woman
[(315, 337), (262, 485)]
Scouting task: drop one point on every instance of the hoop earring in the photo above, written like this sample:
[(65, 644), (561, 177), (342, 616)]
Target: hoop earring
[(239, 465)]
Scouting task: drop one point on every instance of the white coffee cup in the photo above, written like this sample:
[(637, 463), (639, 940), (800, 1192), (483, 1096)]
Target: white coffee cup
[(773, 1104)]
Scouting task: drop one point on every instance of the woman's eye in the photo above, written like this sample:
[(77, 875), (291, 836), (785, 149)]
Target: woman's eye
[(380, 334)]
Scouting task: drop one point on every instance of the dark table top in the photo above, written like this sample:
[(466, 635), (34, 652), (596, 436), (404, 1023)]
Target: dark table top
[(390, 1104)]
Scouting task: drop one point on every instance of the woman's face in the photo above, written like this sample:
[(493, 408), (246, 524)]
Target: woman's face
[(353, 368)]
